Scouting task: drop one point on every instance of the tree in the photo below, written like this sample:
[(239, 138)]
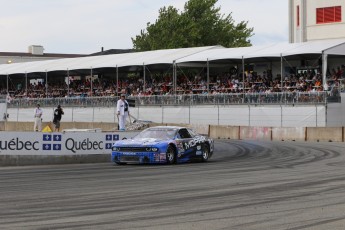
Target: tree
[(200, 24)]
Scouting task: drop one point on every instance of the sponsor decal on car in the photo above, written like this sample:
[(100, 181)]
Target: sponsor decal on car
[(194, 142)]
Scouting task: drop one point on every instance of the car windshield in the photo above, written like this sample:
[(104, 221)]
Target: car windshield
[(162, 134)]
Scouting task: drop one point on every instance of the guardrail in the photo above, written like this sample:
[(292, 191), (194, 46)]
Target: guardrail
[(180, 100)]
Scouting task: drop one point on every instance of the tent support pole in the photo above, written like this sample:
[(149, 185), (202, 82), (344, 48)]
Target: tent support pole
[(26, 83), (174, 78), (68, 82), (7, 84), (117, 81), (208, 76), (46, 84), (281, 72), (144, 74), (324, 69), (243, 78), (91, 82)]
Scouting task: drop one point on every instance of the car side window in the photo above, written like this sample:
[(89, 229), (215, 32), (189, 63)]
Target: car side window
[(183, 133), (192, 133)]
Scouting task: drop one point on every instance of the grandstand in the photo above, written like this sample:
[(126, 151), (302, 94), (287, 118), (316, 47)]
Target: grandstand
[(299, 67), (309, 73)]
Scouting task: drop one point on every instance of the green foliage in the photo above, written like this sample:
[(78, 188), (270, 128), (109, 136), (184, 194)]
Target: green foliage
[(200, 24)]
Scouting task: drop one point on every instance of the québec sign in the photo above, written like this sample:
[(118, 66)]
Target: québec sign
[(34, 143)]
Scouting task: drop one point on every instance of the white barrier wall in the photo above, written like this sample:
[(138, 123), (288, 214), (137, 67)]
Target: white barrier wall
[(336, 113), (52, 144), (239, 115), (3, 111)]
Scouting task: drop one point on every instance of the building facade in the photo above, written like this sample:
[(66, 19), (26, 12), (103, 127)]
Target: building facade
[(316, 20)]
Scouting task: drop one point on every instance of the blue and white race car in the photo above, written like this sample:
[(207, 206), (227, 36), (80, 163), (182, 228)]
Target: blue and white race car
[(163, 144)]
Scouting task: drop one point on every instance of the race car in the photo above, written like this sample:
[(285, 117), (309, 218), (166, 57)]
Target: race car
[(163, 144)]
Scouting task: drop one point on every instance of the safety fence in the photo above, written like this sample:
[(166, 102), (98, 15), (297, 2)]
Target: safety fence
[(271, 109), (285, 98), (251, 115)]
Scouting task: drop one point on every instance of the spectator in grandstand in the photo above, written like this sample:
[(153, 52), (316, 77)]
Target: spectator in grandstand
[(58, 112), (122, 112), (38, 118)]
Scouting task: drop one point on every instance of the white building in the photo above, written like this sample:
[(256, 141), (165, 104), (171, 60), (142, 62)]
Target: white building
[(316, 20)]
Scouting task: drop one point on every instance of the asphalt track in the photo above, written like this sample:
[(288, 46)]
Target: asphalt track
[(246, 185)]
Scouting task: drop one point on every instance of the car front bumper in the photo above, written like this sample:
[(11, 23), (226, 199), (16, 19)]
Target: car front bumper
[(138, 158)]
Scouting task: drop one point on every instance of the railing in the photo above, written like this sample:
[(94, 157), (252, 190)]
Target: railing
[(65, 102), (234, 99), (180, 100)]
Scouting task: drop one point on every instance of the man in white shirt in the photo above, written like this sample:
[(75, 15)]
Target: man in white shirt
[(8, 98), (38, 118), (122, 111)]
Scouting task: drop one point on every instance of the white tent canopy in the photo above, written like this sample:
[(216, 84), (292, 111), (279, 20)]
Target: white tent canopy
[(333, 47), (167, 56), (184, 55)]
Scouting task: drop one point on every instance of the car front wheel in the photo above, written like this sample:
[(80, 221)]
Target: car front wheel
[(171, 155), (205, 154)]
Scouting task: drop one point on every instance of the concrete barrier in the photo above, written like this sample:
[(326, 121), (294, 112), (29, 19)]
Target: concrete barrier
[(289, 134), (325, 134), (50, 151), (278, 134), (256, 133), (224, 132)]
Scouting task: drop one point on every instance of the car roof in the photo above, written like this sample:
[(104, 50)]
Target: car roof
[(168, 127)]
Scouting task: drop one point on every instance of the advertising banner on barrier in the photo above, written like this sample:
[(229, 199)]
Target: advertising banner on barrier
[(70, 143)]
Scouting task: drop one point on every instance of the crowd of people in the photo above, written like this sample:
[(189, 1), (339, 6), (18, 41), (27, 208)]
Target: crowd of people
[(304, 81)]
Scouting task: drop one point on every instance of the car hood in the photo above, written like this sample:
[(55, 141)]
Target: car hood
[(139, 142)]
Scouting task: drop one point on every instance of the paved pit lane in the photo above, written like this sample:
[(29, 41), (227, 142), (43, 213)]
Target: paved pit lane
[(246, 185)]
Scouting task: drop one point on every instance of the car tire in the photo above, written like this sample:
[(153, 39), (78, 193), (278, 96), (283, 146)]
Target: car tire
[(205, 154), (120, 163), (171, 155)]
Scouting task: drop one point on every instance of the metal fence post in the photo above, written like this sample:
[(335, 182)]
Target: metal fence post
[(189, 113), (93, 115), (114, 114), (249, 115), (17, 113), (218, 113), (281, 116), (138, 113), (316, 114)]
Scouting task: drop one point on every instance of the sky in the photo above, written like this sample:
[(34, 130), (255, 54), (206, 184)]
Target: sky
[(85, 26)]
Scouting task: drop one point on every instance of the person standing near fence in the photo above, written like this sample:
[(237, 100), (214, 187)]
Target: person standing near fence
[(122, 112), (58, 112), (38, 118)]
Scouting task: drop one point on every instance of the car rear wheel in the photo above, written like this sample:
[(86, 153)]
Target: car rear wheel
[(205, 154), (171, 155)]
